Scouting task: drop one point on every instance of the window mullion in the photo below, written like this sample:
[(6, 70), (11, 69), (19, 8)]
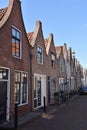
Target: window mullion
[(21, 89)]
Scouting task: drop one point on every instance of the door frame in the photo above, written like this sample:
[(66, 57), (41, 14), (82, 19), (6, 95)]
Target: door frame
[(8, 93), (43, 88)]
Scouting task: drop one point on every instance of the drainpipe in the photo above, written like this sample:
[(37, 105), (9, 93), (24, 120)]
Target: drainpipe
[(31, 82)]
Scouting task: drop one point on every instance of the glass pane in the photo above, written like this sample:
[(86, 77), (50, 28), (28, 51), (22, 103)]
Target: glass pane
[(17, 93), (13, 42), (13, 32), (24, 78), (3, 74), (24, 93), (53, 57), (18, 34), (0, 75), (13, 51), (39, 58), (17, 44), (39, 49), (17, 52), (17, 76)]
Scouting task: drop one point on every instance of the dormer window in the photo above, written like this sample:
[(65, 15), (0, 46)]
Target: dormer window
[(16, 43), (40, 55), (52, 60)]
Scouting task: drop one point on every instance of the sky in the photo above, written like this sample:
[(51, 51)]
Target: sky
[(65, 19)]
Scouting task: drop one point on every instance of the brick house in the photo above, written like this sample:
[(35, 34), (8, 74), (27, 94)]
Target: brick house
[(71, 60), (51, 69), (14, 62), (62, 69), (38, 66)]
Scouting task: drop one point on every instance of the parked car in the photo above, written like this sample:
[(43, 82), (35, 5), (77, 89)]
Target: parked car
[(83, 90)]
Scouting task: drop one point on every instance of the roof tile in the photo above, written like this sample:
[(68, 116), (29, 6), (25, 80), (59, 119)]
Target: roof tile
[(2, 12), (30, 36)]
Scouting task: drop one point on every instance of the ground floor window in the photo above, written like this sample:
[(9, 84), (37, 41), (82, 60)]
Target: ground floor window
[(20, 88)]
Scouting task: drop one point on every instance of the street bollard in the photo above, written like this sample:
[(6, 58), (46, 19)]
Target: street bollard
[(16, 116), (44, 104), (59, 98)]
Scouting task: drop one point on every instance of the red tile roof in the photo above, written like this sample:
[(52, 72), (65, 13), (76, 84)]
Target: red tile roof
[(2, 12), (46, 42), (30, 36)]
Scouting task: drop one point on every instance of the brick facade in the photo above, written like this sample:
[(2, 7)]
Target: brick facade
[(6, 59), (52, 68), (38, 69), (31, 65)]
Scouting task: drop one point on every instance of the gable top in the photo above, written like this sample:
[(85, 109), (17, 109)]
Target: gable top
[(5, 12), (48, 42), (59, 51), (70, 54), (2, 12), (46, 45), (33, 35)]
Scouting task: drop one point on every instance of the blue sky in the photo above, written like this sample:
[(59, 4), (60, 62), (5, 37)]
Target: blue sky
[(66, 19)]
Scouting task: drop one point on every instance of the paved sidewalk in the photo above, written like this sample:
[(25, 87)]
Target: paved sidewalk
[(34, 115), (21, 120)]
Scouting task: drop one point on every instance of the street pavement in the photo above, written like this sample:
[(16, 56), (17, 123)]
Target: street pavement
[(70, 116)]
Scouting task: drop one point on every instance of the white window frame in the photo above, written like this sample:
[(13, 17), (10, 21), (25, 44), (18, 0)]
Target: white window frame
[(8, 93), (20, 43), (37, 54), (53, 59), (21, 87)]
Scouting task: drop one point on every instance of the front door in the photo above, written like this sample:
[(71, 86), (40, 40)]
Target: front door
[(39, 92), (3, 100)]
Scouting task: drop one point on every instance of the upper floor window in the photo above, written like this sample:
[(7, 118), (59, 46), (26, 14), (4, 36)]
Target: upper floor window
[(52, 59), (61, 67), (40, 55), (16, 43)]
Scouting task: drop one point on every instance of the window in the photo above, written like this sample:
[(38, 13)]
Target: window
[(3, 74), (20, 93), (40, 55), (52, 60), (61, 67), (16, 42)]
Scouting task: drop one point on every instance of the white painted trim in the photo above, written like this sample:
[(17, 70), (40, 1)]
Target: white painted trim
[(42, 55), (8, 96), (21, 85), (39, 75), (43, 92), (61, 80), (72, 77), (8, 93)]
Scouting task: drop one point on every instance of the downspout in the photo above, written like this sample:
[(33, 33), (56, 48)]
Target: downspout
[(31, 82)]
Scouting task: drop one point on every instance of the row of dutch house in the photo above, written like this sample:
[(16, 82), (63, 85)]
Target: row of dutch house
[(31, 67)]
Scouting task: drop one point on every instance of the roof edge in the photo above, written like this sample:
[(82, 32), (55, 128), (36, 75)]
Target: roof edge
[(38, 26), (7, 14)]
